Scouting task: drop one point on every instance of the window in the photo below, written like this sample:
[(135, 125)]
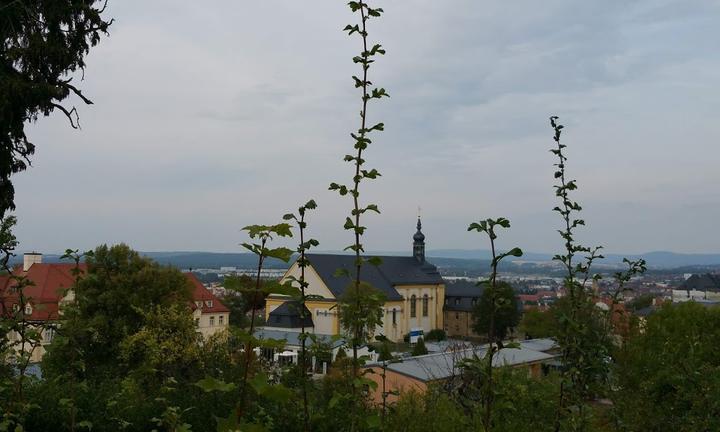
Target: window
[(212, 321), (447, 300), (474, 301), (198, 304), (457, 315), (208, 303), (394, 316), (28, 309), (197, 322), (457, 301), (221, 320), (413, 306), (49, 334), (425, 305)]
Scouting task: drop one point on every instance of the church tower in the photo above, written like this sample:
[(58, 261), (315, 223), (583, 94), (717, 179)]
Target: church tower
[(419, 243)]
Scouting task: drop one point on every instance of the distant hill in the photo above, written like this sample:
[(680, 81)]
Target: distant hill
[(186, 260), (659, 259), (457, 259)]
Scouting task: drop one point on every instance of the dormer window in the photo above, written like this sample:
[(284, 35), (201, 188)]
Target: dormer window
[(198, 304), (208, 303), (457, 301), (28, 309)]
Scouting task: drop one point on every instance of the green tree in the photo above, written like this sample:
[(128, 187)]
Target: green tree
[(507, 313), (244, 286), (43, 43), (419, 348), (538, 324), (669, 374), (384, 353), (238, 307), (111, 303)]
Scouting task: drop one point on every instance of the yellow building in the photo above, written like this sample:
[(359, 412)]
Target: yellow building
[(413, 288)]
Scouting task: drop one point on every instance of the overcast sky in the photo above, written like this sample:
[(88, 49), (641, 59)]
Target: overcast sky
[(210, 116)]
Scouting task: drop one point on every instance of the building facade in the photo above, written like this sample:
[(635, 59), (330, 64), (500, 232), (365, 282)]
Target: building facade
[(461, 297), (413, 288)]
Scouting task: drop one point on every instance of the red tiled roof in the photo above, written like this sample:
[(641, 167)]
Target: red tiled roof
[(200, 293), (51, 280)]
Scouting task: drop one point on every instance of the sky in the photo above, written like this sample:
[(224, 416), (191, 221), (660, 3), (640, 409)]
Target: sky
[(210, 116)]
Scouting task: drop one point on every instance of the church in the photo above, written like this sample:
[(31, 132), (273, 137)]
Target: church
[(413, 288)]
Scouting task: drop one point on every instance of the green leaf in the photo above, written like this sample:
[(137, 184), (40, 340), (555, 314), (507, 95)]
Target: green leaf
[(376, 261), (281, 253), (209, 384), (282, 289)]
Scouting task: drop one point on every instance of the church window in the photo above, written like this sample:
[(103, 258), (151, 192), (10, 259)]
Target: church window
[(394, 316), (413, 306), (425, 305)]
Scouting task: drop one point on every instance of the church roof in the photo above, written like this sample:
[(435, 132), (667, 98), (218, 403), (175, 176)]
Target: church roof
[(287, 315), (394, 270)]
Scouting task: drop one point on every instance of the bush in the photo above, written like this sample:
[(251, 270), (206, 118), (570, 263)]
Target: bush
[(436, 335), (419, 348)]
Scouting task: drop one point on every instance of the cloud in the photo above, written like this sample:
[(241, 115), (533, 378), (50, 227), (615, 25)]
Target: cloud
[(211, 117)]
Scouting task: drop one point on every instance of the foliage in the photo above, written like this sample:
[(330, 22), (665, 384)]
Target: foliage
[(436, 335), (302, 284), (419, 348), (111, 303), (497, 312), (238, 308), (506, 311), (43, 43), (242, 287), (669, 374), (384, 353), (582, 335), (359, 327), (360, 313), (536, 323), (640, 302)]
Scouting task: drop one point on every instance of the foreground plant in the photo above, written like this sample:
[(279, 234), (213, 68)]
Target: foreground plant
[(303, 263), (497, 303), (357, 327)]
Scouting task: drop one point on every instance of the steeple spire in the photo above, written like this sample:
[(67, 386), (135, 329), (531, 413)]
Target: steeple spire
[(419, 243)]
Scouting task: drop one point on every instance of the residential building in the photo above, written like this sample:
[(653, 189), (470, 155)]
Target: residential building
[(413, 289), (418, 373), (51, 287), (461, 297)]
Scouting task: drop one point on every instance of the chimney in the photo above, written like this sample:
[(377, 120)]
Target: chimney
[(31, 258)]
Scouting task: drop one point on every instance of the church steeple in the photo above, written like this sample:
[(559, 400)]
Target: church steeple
[(419, 243)]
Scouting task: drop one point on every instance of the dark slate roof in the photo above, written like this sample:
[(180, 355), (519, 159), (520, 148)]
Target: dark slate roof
[(394, 270), (706, 282), (459, 295), (287, 315)]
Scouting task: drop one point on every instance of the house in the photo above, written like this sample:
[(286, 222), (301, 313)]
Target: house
[(414, 291), (698, 287), (51, 288), (418, 373), (461, 297)]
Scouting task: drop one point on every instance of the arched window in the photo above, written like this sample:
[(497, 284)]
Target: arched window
[(413, 306), (425, 305), (394, 315)]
